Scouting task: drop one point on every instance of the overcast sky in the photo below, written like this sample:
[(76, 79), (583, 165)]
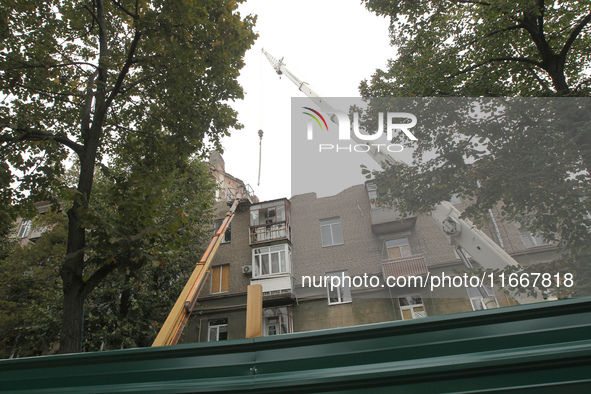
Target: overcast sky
[(332, 44)]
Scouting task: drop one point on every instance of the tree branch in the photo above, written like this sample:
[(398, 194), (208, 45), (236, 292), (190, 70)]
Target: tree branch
[(582, 83), (127, 88), (542, 8), (498, 59), (125, 69), (120, 6), (98, 276), (54, 95), (493, 33), (25, 65), (27, 134), (540, 80), (484, 3), (126, 128), (94, 17), (573, 35), (87, 109)]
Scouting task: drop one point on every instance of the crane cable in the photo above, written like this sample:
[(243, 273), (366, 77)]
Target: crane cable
[(261, 121), (260, 154)]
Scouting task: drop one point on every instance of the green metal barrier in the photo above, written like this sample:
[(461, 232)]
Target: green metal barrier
[(543, 348)]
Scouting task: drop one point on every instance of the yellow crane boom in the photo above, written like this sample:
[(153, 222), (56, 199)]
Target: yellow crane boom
[(181, 311)]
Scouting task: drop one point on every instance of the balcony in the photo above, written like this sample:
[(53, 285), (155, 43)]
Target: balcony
[(386, 220), (389, 220), (406, 266), (270, 221), (279, 284)]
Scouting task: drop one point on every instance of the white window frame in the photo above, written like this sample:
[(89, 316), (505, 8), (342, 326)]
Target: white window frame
[(24, 229), (221, 326), (412, 307), (341, 294), (476, 298), (334, 227), (277, 318), (282, 254)]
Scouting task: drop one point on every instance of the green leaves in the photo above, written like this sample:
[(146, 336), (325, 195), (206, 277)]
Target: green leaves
[(30, 292), (133, 86), (149, 233), (510, 48), (521, 157), (530, 161)]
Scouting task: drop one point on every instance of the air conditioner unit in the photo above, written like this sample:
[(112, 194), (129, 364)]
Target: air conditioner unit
[(247, 269)]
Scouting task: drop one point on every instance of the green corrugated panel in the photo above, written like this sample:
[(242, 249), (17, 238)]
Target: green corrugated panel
[(534, 348)]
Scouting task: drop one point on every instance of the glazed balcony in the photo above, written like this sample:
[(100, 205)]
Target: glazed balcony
[(270, 222)]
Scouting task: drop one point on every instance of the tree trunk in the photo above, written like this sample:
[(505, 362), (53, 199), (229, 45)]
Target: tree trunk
[(73, 283), (73, 314), (75, 288), (72, 271), (555, 68), (125, 303)]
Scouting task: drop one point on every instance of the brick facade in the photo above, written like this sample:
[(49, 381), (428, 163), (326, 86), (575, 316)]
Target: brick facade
[(361, 252)]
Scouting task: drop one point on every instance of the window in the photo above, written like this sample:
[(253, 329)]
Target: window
[(398, 248), (220, 278), (271, 260), (277, 321), (529, 240), (341, 294), (218, 330), (412, 307), (228, 235), (24, 229), (477, 299), (331, 231), (372, 193)]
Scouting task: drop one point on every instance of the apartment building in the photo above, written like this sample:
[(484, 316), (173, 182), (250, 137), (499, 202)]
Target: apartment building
[(294, 247), (25, 230)]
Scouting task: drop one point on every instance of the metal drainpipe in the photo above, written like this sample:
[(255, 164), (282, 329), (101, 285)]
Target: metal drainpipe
[(497, 232)]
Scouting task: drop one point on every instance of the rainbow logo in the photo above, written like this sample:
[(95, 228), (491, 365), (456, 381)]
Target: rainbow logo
[(315, 118)]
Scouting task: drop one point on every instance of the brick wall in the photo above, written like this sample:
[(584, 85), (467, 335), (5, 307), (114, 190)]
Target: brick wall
[(361, 250)]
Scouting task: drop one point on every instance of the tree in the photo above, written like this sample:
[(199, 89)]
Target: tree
[(531, 158), (490, 48), (126, 310), (157, 253), (30, 292), (110, 81)]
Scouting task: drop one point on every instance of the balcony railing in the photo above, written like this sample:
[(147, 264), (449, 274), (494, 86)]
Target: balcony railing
[(244, 192), (266, 233), (279, 284), (406, 266)]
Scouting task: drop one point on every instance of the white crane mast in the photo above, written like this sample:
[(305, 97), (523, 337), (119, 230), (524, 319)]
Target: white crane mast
[(381, 158), (463, 234)]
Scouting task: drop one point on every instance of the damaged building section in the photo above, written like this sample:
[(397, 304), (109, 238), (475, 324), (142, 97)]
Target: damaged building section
[(296, 249)]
